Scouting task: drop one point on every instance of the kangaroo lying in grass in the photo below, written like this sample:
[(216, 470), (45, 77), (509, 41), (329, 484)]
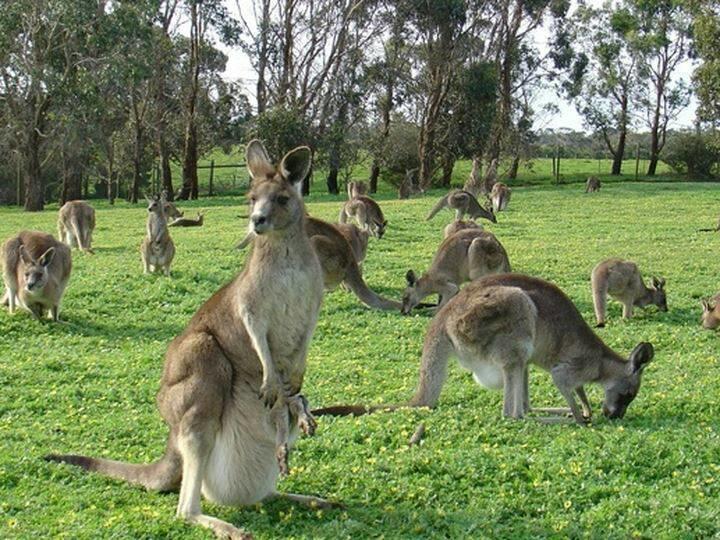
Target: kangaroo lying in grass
[(232, 379), (622, 280), (464, 203), (498, 325), (76, 222), (36, 269), (187, 222), (463, 256)]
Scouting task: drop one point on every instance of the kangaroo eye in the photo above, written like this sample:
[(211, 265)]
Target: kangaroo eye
[(253, 200), (282, 199)]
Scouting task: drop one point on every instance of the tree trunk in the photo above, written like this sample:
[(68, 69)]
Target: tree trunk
[(165, 170), (514, 166), (654, 132), (34, 197), (619, 154), (374, 174), (190, 159), (134, 192), (306, 182), (332, 182), (448, 164), (190, 153)]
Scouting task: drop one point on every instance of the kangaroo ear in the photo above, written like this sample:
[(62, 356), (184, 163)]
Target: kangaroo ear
[(658, 283), (410, 278), (25, 256), (705, 305), (296, 164), (258, 161), (385, 223), (47, 257), (641, 355)]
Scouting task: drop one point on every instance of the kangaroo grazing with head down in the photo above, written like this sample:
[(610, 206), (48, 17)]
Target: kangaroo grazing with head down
[(500, 196), (464, 203), (622, 280), (234, 375), (464, 256), (357, 238), (76, 222), (592, 185), (157, 248), (36, 270), (367, 213), (711, 312), (498, 325)]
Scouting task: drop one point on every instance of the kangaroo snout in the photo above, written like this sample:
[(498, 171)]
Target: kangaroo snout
[(260, 223)]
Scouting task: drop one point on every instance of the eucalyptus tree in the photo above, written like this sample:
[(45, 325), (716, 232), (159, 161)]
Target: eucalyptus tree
[(706, 41)]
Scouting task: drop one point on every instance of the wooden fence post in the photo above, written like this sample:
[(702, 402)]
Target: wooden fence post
[(212, 172)]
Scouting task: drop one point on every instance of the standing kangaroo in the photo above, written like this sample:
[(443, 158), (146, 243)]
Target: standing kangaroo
[(622, 280), (592, 185), (711, 312), (36, 270), (367, 214), (498, 325), (356, 189), (237, 369), (500, 196), (157, 248), (76, 221), (463, 203), (464, 256)]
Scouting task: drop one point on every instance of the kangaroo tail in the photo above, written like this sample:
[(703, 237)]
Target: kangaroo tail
[(356, 283), (442, 203), (163, 475), (353, 410)]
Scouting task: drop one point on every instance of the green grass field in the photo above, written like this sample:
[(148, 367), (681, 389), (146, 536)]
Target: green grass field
[(88, 386)]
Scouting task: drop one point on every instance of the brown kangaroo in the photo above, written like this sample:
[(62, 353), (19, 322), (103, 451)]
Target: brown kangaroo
[(463, 203), (464, 256), (76, 222), (711, 312), (461, 225), (500, 196), (498, 325), (157, 248), (237, 369), (592, 185), (36, 270), (367, 214), (622, 280)]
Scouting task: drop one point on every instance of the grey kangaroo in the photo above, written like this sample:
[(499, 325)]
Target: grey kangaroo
[(76, 222), (498, 325), (237, 369), (464, 203)]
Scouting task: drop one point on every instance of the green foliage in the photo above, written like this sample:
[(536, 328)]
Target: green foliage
[(706, 31), (693, 154), (281, 129), (88, 386), (399, 151)]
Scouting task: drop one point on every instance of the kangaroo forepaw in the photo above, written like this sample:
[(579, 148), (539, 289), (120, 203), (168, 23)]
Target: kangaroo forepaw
[(282, 453), (270, 392)]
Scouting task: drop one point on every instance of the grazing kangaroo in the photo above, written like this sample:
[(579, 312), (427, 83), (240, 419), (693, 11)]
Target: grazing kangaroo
[(498, 325), (592, 185), (463, 203), (462, 225), (500, 196), (338, 261), (157, 248), (464, 256), (236, 371), (76, 221), (36, 270), (367, 214), (187, 222), (622, 280), (711, 312)]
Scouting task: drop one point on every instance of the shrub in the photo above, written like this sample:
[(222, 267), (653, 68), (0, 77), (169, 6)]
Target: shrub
[(693, 154)]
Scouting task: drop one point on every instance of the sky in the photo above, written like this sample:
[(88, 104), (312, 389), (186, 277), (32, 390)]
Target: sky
[(239, 67)]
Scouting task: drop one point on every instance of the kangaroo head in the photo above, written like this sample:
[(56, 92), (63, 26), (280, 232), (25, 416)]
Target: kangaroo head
[(621, 390), (155, 205), (275, 201), (659, 298), (414, 292), (172, 211), (710, 318), (35, 271), (379, 228)]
